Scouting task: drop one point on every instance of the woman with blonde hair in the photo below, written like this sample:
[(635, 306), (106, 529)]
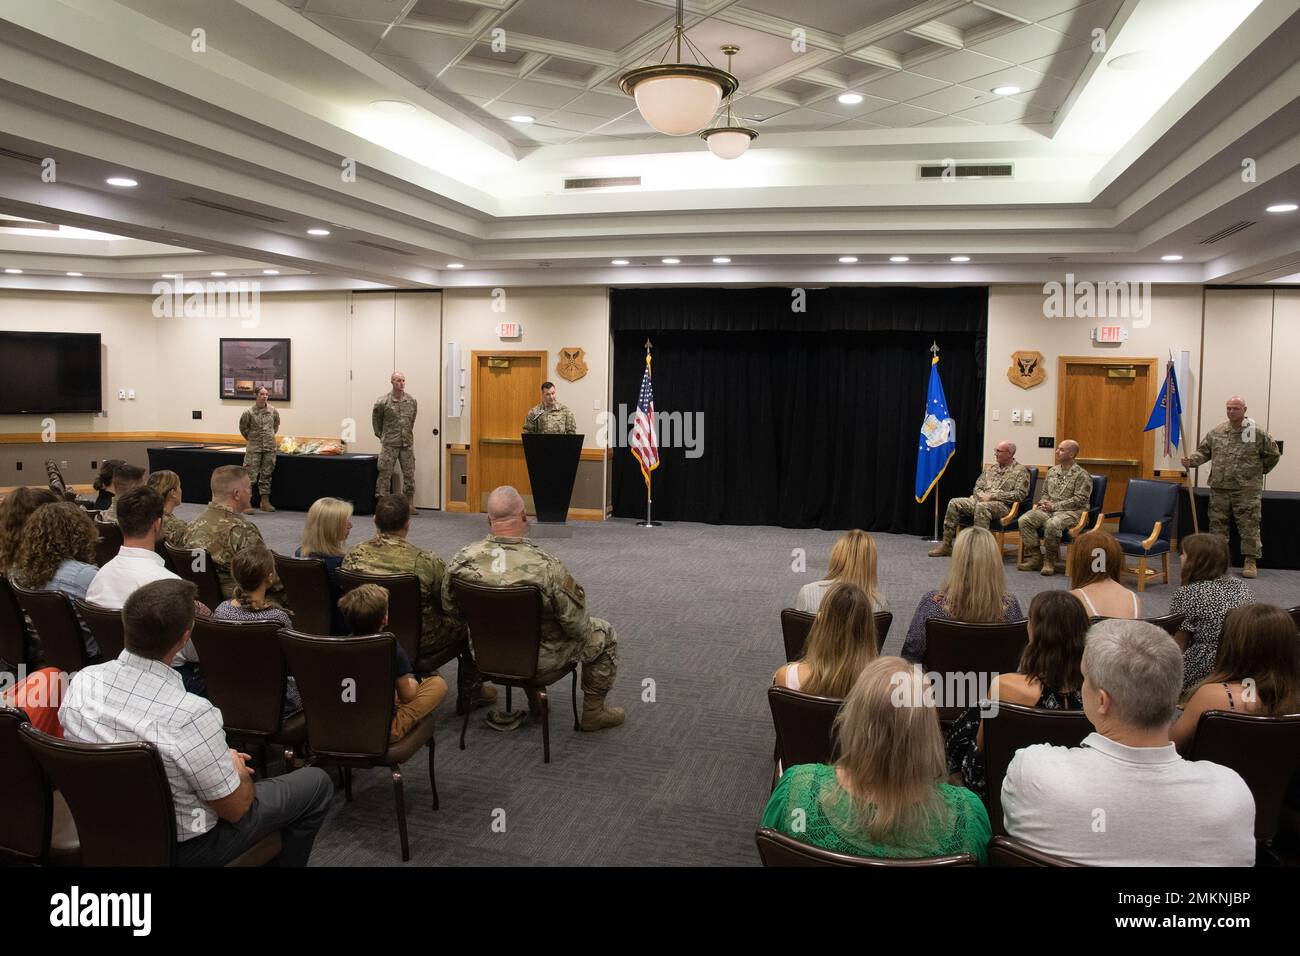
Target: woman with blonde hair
[(168, 486), (58, 554), (887, 795), (975, 591), (841, 643), (853, 560), (325, 536), (1096, 563)]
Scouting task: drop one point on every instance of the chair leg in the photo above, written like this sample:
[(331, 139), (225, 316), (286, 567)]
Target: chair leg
[(1164, 564), (347, 783), (574, 698), (1142, 573), (546, 724), (433, 783), (463, 727), (461, 700), (400, 799), (509, 688)]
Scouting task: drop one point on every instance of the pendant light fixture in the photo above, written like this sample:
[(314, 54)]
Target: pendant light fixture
[(678, 98), (729, 142)]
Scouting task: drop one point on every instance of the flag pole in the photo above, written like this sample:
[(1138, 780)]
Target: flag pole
[(648, 523), (1182, 432), (934, 352)]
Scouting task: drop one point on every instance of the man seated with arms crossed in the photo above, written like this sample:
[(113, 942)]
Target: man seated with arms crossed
[(126, 478), (224, 531), (1125, 797), (506, 558), (220, 812)]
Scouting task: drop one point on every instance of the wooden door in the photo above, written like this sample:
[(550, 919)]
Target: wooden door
[(503, 387), (1103, 404)]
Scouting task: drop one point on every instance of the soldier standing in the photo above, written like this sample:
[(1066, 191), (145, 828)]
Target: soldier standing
[(223, 531), (1242, 454), (259, 426), (394, 424), (998, 487), (1066, 492), (549, 417)]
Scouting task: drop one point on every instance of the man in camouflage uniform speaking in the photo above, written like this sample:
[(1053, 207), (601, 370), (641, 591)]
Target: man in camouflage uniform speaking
[(506, 558), (223, 531), (259, 426), (393, 419), (1242, 454), (998, 487), (549, 417), (1066, 492)]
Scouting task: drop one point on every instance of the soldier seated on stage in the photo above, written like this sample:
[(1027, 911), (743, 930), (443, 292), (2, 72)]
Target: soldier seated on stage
[(998, 487), (223, 531), (506, 558)]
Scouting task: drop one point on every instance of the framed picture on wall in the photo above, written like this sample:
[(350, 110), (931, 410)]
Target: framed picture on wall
[(250, 364)]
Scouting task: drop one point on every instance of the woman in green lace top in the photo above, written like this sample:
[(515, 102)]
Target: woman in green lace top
[(886, 796)]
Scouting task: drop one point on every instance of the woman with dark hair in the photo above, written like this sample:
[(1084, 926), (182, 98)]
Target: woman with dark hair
[(1048, 678), (1257, 670), (104, 483), (14, 513), (58, 554), (1096, 562), (253, 569), (1207, 594)]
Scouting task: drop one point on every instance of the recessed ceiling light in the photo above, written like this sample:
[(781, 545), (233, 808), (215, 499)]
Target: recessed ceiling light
[(670, 262), (898, 258), (618, 262), (121, 181), (850, 99), (270, 272), (14, 272), (522, 118), (960, 259), (848, 259), (721, 260), (392, 106), (1006, 90), (318, 232), (1171, 258), (217, 274), (455, 265), (74, 275), (1283, 207)]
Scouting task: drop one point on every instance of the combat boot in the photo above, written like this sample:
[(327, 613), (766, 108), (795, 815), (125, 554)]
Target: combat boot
[(1033, 561), (596, 716), (1049, 568), (944, 547), (266, 504), (1248, 568)]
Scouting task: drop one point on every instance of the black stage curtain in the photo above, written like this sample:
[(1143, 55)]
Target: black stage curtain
[(810, 419)]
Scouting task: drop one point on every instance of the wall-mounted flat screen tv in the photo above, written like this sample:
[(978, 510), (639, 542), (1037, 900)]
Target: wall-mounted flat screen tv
[(45, 372)]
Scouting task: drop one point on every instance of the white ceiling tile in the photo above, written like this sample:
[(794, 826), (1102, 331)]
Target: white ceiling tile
[(902, 85), (902, 114), (361, 34), (833, 16), (1012, 76), (504, 109), (1001, 110), (433, 50), (970, 18), (408, 69), (603, 24), (1048, 95), (757, 106), (476, 82), (543, 95), (949, 121), (903, 43), (1079, 23), (1018, 46), (577, 122), (957, 66), (829, 104), (952, 99), (598, 104), (1034, 9), (379, 11), (1067, 63), (446, 11), (800, 119)]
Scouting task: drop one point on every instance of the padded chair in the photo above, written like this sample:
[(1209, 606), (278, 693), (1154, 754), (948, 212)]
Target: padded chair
[(121, 801), (795, 626), (1264, 750), (1166, 622), (1295, 615), (13, 628), (183, 561), (353, 732), (953, 647), (505, 632), (110, 542), (404, 618), (1007, 524), (35, 823), (777, 849), (244, 667), (1014, 728), (106, 624), (307, 584), (55, 621), (1088, 521), (1004, 851), (1145, 525), (805, 728)]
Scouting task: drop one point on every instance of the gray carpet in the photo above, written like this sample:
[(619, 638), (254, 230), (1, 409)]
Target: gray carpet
[(684, 781)]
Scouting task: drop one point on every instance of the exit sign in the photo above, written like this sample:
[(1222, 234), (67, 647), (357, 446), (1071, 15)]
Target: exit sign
[(509, 330), (1110, 334)]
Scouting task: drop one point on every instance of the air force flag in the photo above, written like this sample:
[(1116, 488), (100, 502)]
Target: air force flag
[(938, 441)]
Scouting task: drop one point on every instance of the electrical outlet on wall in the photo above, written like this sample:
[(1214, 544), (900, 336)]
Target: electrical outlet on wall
[(1028, 416)]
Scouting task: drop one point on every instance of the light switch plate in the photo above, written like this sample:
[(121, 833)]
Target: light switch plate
[(997, 415), (1028, 416), (1015, 416)]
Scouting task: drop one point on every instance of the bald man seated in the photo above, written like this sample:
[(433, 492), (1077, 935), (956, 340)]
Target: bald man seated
[(1067, 490), (998, 487)]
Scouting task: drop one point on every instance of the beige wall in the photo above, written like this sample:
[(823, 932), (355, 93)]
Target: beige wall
[(1284, 395)]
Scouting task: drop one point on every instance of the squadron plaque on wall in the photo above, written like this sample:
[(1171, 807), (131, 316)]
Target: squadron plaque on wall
[(571, 366), (1026, 369)]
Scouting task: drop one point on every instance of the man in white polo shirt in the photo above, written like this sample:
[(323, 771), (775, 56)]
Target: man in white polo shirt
[(220, 812), (1125, 797)]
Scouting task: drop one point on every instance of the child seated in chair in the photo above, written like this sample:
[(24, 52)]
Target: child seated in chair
[(365, 609)]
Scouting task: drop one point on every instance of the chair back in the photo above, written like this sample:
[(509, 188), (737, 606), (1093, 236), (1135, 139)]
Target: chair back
[(56, 624), (1295, 615), (805, 726), (184, 561), (1167, 622), (1015, 727), (110, 542), (505, 627), (106, 624), (777, 849), (1265, 751), (982, 650), (26, 800), (346, 685), (1097, 502), (118, 795), (795, 626), (307, 584), (1028, 501), (1004, 851), (404, 611), (12, 628), (245, 672), (1147, 501)]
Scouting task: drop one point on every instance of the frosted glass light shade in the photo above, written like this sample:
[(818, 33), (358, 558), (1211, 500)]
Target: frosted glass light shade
[(728, 143), (678, 105)]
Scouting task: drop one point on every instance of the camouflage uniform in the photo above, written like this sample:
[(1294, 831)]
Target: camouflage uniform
[(259, 427), (1069, 492), (541, 420), (1237, 479), (223, 534), (568, 632), (1007, 486), (393, 420), (391, 554), (174, 530)]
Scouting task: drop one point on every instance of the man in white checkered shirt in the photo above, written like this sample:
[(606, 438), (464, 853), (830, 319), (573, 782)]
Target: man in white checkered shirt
[(220, 812)]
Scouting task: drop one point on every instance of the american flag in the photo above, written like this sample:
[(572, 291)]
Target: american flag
[(645, 446)]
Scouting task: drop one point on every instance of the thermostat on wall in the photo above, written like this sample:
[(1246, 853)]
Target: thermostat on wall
[(509, 330)]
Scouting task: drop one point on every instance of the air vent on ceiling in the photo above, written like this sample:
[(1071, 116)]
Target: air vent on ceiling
[(25, 157), (601, 183), (222, 207), (1232, 230), (380, 245), (966, 171)]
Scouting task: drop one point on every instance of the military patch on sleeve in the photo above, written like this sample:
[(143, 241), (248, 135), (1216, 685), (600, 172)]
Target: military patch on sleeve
[(574, 590)]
